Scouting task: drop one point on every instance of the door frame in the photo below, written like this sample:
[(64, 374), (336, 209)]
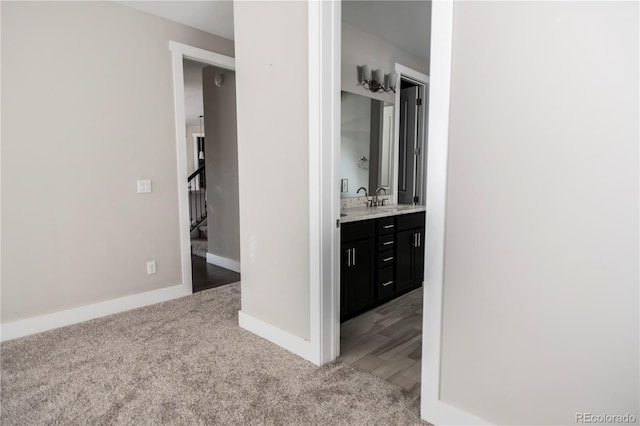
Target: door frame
[(324, 157), (422, 81), (180, 52)]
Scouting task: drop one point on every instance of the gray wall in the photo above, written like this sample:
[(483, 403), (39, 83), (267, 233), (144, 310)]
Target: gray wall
[(221, 160), (360, 47), (540, 317), (273, 150), (87, 109)]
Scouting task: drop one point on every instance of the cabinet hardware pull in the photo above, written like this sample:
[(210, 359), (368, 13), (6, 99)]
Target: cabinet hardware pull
[(349, 257), (415, 240), (387, 283), (354, 256), (419, 239), (388, 226), (387, 243), (387, 259)]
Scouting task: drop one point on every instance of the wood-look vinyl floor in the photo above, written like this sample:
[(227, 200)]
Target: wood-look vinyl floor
[(206, 276), (387, 341)]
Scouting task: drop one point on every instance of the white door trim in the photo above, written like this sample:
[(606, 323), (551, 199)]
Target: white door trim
[(179, 52), (421, 80), (433, 409), (324, 159)]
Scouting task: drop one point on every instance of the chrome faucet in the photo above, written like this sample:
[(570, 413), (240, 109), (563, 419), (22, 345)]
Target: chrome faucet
[(379, 202), (365, 191)]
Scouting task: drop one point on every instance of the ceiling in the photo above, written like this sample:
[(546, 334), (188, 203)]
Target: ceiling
[(405, 24), (215, 17)]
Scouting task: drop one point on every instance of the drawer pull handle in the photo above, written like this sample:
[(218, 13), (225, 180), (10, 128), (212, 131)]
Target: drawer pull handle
[(387, 259), (388, 226), (387, 283), (387, 243)]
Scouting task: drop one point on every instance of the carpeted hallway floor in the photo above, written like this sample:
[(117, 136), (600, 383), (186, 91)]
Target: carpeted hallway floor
[(184, 362)]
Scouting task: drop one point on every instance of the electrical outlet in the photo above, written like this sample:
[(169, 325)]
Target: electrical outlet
[(344, 187), (144, 186), (151, 267)]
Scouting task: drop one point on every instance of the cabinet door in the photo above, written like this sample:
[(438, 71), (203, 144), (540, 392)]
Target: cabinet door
[(405, 260), (357, 275)]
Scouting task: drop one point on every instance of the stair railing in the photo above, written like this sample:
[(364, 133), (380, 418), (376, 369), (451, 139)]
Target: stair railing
[(197, 186)]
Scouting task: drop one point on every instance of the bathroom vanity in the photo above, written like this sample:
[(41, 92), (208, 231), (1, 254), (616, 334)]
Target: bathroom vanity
[(382, 255)]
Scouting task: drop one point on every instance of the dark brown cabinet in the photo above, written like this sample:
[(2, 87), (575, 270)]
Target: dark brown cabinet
[(380, 259), (357, 262), (357, 274), (410, 252)]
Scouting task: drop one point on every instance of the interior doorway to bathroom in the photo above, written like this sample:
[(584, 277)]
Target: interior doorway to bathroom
[(382, 258)]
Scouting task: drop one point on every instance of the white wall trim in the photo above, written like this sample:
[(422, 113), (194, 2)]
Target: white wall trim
[(201, 55), (288, 341), (21, 328), (223, 262), (324, 207), (412, 74), (441, 413), (433, 409), (179, 52)]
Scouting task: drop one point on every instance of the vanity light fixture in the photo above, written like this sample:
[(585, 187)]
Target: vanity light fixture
[(377, 80)]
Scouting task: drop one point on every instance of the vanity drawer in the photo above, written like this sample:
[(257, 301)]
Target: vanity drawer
[(386, 258), (386, 242), (354, 231), (386, 225), (411, 221), (386, 285)]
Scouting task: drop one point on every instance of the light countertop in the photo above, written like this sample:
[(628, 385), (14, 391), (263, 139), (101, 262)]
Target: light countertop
[(355, 214)]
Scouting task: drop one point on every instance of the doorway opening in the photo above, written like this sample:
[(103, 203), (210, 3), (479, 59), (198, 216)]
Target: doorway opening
[(204, 92), (382, 230), (206, 137)]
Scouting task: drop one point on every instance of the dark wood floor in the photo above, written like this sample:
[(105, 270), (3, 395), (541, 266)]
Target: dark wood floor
[(206, 275)]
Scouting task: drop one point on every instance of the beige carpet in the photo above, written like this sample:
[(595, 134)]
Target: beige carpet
[(184, 362)]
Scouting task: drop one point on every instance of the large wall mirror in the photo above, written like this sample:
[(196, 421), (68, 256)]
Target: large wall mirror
[(366, 145)]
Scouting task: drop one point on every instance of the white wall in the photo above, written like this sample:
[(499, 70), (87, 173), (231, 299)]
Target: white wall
[(540, 316), (87, 108), (221, 159), (360, 47), (191, 163), (355, 143), (273, 151)]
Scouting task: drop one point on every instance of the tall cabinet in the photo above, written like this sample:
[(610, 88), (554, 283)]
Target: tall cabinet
[(410, 252)]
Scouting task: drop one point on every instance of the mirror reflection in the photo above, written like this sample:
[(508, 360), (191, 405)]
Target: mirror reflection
[(366, 145)]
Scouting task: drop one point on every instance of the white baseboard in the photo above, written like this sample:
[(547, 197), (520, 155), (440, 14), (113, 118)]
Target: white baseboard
[(278, 336), (223, 262), (21, 328), (440, 413)]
